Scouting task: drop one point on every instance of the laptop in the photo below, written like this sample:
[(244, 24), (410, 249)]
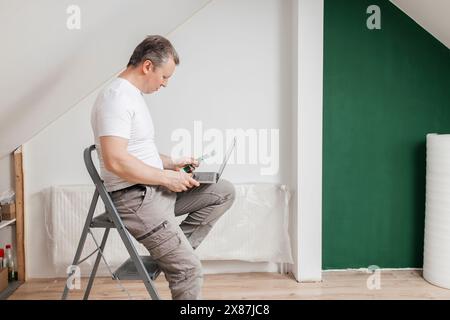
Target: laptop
[(213, 177)]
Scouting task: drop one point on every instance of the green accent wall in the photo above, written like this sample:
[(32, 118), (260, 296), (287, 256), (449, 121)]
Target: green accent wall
[(384, 90)]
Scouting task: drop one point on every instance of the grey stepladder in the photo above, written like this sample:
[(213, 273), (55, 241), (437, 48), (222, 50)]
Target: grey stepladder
[(142, 267)]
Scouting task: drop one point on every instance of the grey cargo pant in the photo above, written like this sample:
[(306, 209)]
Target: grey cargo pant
[(148, 213)]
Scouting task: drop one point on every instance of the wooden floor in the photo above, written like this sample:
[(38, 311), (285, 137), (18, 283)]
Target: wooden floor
[(258, 286)]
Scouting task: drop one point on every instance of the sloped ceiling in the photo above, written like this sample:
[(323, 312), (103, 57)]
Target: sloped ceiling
[(432, 15), (47, 68)]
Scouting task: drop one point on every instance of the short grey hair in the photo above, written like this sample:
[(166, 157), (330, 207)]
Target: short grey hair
[(155, 48)]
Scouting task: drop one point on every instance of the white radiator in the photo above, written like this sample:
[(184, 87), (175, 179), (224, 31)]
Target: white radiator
[(254, 229)]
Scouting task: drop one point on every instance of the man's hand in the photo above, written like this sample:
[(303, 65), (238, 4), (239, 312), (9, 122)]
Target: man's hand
[(179, 181), (179, 163)]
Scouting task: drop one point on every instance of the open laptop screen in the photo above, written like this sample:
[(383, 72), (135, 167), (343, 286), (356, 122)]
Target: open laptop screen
[(227, 156)]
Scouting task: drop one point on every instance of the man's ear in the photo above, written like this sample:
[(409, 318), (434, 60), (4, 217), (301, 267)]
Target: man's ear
[(147, 66)]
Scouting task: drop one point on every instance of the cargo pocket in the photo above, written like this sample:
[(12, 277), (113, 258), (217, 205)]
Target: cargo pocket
[(133, 199), (161, 240)]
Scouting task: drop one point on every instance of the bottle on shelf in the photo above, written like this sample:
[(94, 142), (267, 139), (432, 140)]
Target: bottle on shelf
[(12, 272), (2, 257)]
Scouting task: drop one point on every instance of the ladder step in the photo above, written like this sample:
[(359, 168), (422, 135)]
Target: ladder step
[(102, 221), (128, 271)]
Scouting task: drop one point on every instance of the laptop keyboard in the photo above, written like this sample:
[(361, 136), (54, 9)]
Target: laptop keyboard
[(207, 175)]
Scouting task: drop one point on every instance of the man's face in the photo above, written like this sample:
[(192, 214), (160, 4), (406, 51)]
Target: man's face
[(157, 77)]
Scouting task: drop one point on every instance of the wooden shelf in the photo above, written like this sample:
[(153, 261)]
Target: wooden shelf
[(13, 285), (6, 223)]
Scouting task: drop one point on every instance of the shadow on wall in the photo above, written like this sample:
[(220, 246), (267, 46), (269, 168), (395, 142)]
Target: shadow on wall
[(287, 132), (419, 175)]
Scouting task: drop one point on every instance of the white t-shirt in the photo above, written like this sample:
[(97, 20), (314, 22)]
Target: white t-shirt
[(120, 110)]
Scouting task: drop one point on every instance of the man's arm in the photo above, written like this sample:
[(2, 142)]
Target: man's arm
[(177, 164), (118, 161)]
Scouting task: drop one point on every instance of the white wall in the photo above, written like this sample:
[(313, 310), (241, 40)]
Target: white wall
[(235, 72), (47, 68), (6, 173)]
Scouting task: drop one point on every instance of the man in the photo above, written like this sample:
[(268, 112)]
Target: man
[(147, 188)]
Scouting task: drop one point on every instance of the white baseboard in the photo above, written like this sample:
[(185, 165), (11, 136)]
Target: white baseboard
[(209, 267), (237, 266), (367, 269)]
